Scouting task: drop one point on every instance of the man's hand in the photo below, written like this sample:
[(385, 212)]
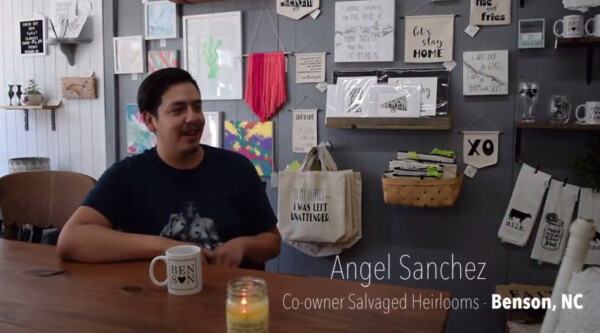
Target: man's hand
[(207, 256), (229, 254)]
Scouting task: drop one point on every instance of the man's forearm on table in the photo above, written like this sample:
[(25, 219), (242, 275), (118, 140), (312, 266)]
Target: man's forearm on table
[(92, 243)]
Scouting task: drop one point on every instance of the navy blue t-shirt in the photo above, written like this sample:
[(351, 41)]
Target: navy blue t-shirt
[(220, 199)]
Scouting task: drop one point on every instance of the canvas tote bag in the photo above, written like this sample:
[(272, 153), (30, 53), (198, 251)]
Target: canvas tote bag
[(312, 204), (352, 197)]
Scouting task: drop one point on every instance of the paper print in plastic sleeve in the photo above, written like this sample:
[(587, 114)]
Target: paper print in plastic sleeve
[(395, 101), (352, 96)]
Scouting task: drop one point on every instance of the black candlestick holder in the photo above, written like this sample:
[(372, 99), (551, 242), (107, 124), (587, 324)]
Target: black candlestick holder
[(19, 93), (11, 93)]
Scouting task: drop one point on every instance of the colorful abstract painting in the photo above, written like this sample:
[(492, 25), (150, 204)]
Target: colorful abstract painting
[(254, 140), (138, 136), (162, 59)]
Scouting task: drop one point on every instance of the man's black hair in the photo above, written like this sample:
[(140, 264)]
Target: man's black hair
[(156, 84)]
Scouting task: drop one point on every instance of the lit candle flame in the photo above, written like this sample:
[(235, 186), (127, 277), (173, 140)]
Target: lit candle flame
[(244, 303)]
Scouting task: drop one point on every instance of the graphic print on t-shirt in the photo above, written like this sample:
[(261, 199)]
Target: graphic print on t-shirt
[(189, 226)]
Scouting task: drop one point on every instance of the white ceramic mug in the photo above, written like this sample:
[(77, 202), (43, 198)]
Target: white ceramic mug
[(184, 270), (596, 31), (591, 113), (572, 26)]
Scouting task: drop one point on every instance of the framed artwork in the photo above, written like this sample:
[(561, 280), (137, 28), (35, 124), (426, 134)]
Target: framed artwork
[(254, 140), (485, 73), (32, 37), (211, 136), (139, 138), (212, 54), (429, 39), (160, 20), (162, 59), (78, 87), (490, 12), (128, 54), (364, 31), (532, 34)]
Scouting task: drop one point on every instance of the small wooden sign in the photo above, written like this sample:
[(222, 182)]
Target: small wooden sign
[(78, 87)]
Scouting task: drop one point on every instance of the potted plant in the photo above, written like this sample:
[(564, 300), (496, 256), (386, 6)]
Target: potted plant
[(31, 95)]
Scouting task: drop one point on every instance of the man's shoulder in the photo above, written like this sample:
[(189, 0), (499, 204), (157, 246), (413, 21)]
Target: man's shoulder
[(224, 155), (132, 163), (229, 162)]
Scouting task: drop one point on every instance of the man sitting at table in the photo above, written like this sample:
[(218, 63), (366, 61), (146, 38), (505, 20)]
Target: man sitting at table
[(178, 192)]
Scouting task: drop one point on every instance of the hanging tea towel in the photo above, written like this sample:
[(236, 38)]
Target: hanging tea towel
[(589, 209), (586, 319), (523, 206), (556, 219)]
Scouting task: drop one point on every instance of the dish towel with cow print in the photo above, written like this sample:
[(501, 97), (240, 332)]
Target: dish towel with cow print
[(589, 209), (524, 206), (554, 225)]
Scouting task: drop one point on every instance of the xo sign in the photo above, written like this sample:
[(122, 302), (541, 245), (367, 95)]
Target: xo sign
[(480, 149)]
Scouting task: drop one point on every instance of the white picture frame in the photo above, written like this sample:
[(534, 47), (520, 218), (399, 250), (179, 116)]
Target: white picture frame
[(160, 20), (219, 75), (213, 129), (129, 55), (43, 40)]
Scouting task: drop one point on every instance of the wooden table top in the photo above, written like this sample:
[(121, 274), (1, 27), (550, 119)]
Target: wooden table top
[(77, 297)]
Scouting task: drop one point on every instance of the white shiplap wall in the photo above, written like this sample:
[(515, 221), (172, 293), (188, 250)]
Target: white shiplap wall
[(79, 142)]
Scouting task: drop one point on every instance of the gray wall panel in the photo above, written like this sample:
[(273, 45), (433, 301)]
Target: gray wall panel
[(467, 230)]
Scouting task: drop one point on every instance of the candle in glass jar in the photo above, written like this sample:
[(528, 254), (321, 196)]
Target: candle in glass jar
[(247, 306)]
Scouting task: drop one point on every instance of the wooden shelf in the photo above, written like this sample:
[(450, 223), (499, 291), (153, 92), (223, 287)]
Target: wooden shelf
[(433, 123), (573, 126), (190, 1), (68, 46), (30, 107), (520, 126), (58, 41), (26, 108), (588, 42), (578, 42)]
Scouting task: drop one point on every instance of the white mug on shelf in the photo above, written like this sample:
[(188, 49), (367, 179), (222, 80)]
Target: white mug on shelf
[(591, 113), (595, 32), (572, 26), (184, 270)]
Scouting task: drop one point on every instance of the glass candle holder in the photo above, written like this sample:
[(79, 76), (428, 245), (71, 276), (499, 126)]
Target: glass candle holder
[(560, 110), (528, 94), (247, 305)]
